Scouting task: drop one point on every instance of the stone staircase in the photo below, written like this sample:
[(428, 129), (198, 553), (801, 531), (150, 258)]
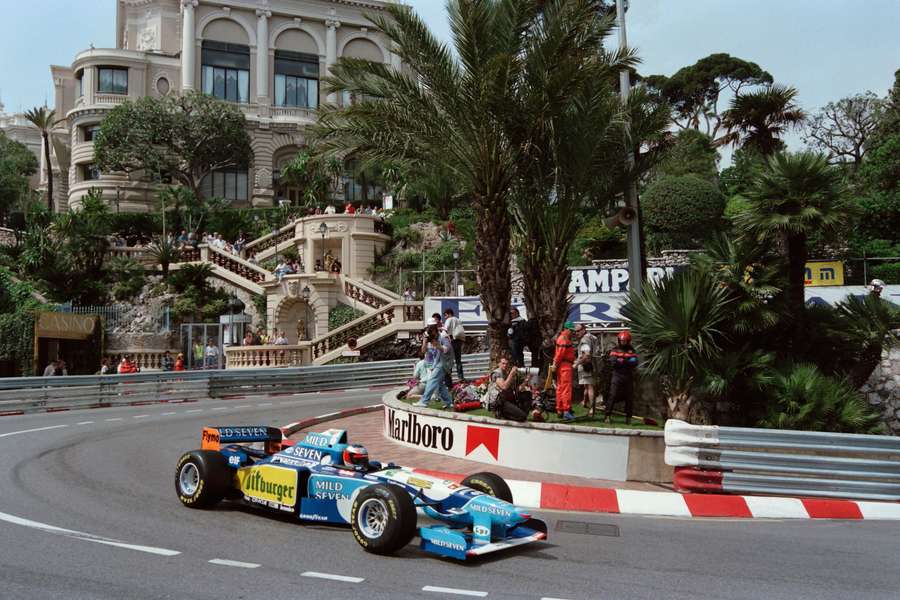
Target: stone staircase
[(228, 267)]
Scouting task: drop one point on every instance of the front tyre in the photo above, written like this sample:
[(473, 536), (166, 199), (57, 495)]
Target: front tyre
[(490, 484), (383, 518), (202, 478)]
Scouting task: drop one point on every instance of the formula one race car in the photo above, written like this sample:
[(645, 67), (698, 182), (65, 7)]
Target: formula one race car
[(325, 479)]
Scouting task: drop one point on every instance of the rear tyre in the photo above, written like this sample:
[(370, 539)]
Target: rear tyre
[(490, 484), (202, 478), (383, 518)]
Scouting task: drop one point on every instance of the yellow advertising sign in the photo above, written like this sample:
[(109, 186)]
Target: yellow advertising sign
[(269, 485), (65, 326), (825, 273)]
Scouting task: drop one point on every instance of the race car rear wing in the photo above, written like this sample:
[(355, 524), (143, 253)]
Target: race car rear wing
[(213, 437)]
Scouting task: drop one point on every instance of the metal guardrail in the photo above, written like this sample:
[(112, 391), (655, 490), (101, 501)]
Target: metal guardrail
[(39, 394), (773, 461)]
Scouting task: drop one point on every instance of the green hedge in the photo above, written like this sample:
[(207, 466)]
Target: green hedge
[(681, 212)]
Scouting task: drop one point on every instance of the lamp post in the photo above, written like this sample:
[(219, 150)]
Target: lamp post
[(323, 231), (305, 294), (456, 271)]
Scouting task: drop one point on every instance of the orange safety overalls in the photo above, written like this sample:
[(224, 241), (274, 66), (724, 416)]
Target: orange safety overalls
[(563, 360)]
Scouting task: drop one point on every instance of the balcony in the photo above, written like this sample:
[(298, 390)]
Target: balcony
[(111, 99), (292, 113)]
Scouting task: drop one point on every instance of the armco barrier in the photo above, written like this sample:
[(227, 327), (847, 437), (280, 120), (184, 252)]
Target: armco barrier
[(40, 394), (773, 461)]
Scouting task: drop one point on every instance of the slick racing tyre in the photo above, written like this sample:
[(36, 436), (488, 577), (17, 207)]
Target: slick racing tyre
[(383, 518), (490, 484), (202, 478)]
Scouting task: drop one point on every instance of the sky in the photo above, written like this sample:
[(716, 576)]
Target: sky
[(827, 49)]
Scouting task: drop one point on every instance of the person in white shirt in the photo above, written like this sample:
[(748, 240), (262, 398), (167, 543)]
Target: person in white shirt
[(330, 210), (457, 333)]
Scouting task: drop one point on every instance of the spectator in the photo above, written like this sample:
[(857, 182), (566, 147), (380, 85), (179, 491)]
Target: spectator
[(318, 210), (282, 269), (420, 377), (457, 334), (336, 266), (445, 338), (248, 339), (50, 369), (179, 362), (518, 328), (240, 242), (167, 363), (257, 337), (280, 340), (319, 266), (182, 238), (587, 365), (508, 395), (349, 209), (623, 360), (409, 295), (330, 210), (128, 366), (562, 366), (60, 368), (192, 240), (212, 354), (436, 350), (876, 287), (104, 366), (198, 355)]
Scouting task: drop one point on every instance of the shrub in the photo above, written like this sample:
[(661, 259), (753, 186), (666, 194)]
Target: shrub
[(681, 212), (888, 272), (342, 314), (407, 236), (128, 277), (805, 399), (594, 240)]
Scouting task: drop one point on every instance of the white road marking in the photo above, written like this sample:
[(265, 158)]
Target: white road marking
[(343, 578), (548, 598), (114, 419), (3, 435), (86, 537), (140, 416), (194, 410), (458, 592), (264, 404), (233, 563), (85, 423), (243, 406), (221, 408), (168, 413)]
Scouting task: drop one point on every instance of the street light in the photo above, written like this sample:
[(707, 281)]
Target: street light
[(305, 295), (456, 271), (323, 230)]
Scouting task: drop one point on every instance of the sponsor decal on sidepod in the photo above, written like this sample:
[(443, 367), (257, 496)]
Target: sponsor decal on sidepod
[(270, 485)]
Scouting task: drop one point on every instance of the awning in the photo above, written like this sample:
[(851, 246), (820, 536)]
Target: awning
[(65, 326)]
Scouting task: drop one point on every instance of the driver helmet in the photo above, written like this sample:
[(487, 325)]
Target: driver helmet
[(876, 284), (356, 456), (624, 337)]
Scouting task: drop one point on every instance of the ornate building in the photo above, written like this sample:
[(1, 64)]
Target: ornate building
[(266, 56)]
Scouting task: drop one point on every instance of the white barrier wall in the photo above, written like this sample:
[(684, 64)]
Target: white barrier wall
[(579, 454)]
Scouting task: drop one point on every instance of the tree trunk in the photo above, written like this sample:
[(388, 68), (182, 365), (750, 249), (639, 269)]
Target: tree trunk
[(679, 398), (46, 139), (492, 248)]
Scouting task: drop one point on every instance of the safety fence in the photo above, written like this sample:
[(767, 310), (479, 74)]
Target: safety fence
[(44, 394), (774, 461)]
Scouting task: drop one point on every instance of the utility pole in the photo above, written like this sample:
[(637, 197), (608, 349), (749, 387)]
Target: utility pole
[(635, 259)]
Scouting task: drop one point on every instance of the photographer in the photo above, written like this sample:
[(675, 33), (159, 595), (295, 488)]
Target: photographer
[(508, 394), (435, 349)]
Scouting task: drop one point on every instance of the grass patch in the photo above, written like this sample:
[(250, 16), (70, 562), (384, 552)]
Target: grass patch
[(581, 418)]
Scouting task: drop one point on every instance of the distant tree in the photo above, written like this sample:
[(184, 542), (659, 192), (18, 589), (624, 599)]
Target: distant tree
[(757, 120), (691, 153), (17, 164), (186, 137), (315, 175), (694, 91), (45, 120), (841, 129), (681, 212)]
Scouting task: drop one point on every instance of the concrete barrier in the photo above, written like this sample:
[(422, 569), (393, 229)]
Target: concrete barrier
[(613, 454)]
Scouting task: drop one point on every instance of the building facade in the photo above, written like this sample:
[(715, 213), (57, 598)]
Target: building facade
[(18, 128), (266, 56)]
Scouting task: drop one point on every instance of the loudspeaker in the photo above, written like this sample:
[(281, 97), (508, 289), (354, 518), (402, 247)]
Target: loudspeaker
[(625, 216)]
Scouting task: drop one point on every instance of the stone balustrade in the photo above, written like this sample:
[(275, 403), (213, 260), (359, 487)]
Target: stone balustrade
[(253, 248), (355, 292), (233, 263), (261, 357), (138, 253), (146, 359)]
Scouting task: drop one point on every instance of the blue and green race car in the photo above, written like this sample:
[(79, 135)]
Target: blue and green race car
[(325, 479)]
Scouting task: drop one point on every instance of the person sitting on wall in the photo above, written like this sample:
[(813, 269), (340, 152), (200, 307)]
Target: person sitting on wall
[(349, 209), (167, 363), (280, 340), (179, 362), (319, 266), (128, 366)]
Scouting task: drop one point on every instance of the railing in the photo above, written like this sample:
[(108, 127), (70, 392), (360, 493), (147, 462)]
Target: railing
[(110, 98), (190, 254), (20, 395), (235, 264), (114, 316), (773, 461), (356, 292), (284, 112), (352, 330), (258, 357), (138, 253), (145, 359), (269, 240), (414, 311)]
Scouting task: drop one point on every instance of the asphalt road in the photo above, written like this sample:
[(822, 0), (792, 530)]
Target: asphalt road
[(88, 510)]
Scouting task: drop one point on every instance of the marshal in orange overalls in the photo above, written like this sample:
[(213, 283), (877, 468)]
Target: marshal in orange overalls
[(563, 360)]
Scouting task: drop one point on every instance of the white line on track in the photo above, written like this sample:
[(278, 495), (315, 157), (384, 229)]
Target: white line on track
[(458, 592), (84, 423), (3, 435), (168, 413), (114, 419), (86, 537), (140, 416), (264, 404), (243, 406), (194, 410), (548, 598), (222, 408), (343, 578), (233, 563)]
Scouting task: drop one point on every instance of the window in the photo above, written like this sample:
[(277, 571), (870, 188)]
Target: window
[(359, 185), (90, 131), (79, 83), (296, 79), (231, 185), (90, 173), (112, 80), (226, 71)]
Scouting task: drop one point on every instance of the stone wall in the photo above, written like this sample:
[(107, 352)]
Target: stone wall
[(882, 391)]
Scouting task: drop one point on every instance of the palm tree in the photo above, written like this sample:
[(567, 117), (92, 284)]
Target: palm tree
[(793, 196), (164, 251), (757, 120), (869, 325), (45, 120), (449, 108), (679, 325)]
